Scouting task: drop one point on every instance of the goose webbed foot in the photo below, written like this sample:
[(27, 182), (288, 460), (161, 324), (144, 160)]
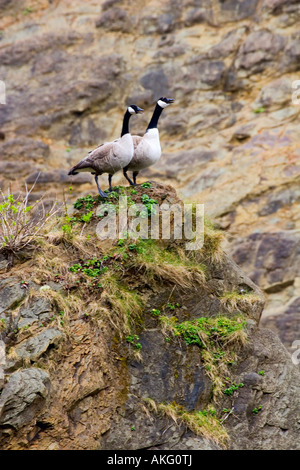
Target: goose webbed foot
[(127, 177), (101, 193)]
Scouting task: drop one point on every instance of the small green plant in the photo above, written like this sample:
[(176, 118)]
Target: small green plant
[(257, 410), (134, 340), (259, 110), (132, 428), (86, 202), (233, 388), (92, 267), (132, 246), (149, 204), (227, 410), (113, 194), (147, 184), (172, 306), (28, 10), (133, 191), (67, 229), (155, 312), (261, 372), (86, 218)]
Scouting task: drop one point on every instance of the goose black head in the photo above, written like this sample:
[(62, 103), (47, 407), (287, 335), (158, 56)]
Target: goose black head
[(164, 102), (134, 109)]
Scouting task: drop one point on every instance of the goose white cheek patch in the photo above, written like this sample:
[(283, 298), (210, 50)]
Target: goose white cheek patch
[(162, 104), (131, 110)]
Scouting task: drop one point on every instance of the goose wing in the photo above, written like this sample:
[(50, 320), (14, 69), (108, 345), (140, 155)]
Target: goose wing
[(95, 161)]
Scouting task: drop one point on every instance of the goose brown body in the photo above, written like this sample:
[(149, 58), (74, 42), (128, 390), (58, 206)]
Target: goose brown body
[(111, 156), (107, 158)]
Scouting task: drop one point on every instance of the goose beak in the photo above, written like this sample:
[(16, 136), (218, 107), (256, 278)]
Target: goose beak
[(170, 100), (139, 110)]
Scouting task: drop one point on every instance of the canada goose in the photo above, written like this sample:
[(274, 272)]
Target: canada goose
[(147, 150), (110, 157)]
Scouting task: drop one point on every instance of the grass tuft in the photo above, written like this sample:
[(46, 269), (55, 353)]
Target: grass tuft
[(235, 302), (202, 423)]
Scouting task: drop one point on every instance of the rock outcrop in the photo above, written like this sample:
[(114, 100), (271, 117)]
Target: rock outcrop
[(134, 344), (231, 139)]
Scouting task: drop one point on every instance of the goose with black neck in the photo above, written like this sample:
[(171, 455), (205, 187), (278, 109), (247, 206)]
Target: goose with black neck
[(147, 149), (111, 156)]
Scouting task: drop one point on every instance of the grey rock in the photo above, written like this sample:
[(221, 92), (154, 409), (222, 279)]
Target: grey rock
[(5, 3), (157, 82), (23, 397), (164, 374), (153, 434), (277, 6), (206, 180), (290, 61), (276, 425), (285, 323), (115, 19), (268, 257), (236, 10), (30, 149), (172, 372), (22, 52), (244, 132), (37, 309), (272, 260), (11, 293), (3, 262), (174, 162), (33, 348), (259, 50), (14, 169), (58, 176), (228, 45), (210, 73), (276, 93), (203, 14)]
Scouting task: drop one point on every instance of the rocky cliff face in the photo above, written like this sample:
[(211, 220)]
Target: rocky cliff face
[(230, 141), (136, 344)]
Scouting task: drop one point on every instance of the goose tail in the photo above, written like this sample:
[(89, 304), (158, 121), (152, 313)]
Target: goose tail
[(73, 171), (83, 165)]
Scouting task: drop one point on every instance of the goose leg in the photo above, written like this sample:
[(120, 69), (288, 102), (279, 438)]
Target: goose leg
[(134, 174), (127, 177), (109, 182), (102, 194)]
